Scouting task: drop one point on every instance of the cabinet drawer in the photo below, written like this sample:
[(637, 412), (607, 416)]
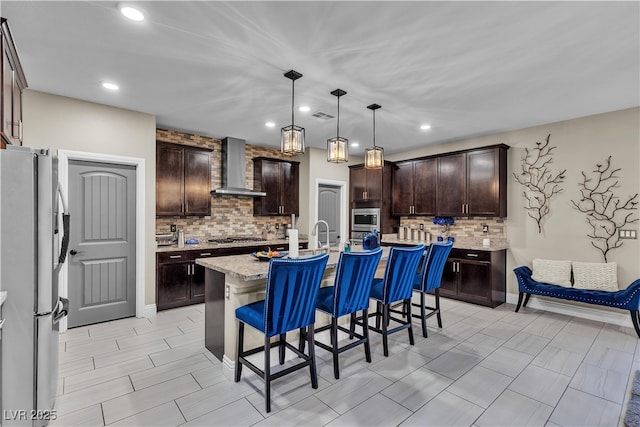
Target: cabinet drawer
[(179, 256), (470, 254)]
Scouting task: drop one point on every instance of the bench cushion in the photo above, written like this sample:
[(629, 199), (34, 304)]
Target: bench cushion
[(552, 271), (595, 275)]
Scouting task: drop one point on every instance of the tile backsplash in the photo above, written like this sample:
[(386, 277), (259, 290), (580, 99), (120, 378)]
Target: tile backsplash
[(464, 228), (230, 215)]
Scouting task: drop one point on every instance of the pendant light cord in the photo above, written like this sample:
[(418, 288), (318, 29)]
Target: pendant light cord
[(293, 94), (374, 128), (338, 122)]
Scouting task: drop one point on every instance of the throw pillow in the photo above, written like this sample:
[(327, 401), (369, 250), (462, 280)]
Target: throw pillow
[(596, 275), (551, 271)]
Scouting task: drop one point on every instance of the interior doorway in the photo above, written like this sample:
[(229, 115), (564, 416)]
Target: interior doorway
[(331, 207)]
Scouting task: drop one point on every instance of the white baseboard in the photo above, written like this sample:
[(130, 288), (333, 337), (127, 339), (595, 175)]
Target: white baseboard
[(149, 310), (621, 318), (228, 367)]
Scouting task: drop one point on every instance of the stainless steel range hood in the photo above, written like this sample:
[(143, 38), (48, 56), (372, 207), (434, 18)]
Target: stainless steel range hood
[(234, 170)]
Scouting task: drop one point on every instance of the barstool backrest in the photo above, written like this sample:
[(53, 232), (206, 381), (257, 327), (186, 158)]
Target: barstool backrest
[(292, 289), (433, 265), (352, 284), (402, 266)]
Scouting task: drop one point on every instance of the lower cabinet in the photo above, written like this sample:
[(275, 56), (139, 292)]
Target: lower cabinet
[(475, 276), (179, 280)]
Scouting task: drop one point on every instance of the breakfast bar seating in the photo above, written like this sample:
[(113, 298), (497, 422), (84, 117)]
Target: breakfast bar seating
[(292, 288)]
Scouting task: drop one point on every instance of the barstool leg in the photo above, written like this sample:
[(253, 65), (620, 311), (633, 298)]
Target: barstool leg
[(239, 350), (408, 303), (365, 333), (301, 339), (437, 295), (334, 346), (423, 315), (283, 338), (352, 325), (385, 322), (267, 375), (312, 356)]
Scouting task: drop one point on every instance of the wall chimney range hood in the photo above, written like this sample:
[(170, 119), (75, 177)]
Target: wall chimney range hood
[(234, 170)]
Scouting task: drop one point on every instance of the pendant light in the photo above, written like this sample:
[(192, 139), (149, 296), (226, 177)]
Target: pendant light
[(374, 156), (337, 148), (292, 137)]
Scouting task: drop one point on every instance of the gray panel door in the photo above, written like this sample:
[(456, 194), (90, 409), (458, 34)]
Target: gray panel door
[(102, 276), (329, 210)]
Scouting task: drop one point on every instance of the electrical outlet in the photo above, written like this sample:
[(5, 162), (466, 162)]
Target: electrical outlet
[(421, 226), (485, 228), (627, 234), (173, 228)]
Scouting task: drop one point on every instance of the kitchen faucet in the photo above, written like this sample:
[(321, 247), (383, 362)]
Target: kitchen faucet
[(315, 229)]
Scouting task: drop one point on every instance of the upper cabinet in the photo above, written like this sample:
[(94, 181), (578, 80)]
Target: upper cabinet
[(473, 183), (183, 180), (280, 180), (365, 185), (13, 83), (414, 187)]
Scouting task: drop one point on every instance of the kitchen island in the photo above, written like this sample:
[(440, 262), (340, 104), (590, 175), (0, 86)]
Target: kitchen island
[(236, 280)]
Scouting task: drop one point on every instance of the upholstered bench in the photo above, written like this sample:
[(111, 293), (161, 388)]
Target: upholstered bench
[(626, 299)]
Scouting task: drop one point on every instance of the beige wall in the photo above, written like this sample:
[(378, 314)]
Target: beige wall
[(57, 122), (581, 144), (314, 167)]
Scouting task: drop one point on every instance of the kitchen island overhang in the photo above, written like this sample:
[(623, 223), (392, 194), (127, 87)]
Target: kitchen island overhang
[(236, 280)]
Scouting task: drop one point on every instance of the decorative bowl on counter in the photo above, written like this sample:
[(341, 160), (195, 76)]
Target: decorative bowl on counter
[(263, 255)]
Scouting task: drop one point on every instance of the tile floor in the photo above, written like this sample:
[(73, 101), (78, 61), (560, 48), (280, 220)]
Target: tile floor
[(484, 368)]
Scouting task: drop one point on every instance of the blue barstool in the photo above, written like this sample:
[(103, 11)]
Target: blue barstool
[(292, 289), (429, 279), (348, 295), (396, 286)]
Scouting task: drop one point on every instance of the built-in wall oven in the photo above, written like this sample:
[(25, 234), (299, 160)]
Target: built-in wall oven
[(364, 220)]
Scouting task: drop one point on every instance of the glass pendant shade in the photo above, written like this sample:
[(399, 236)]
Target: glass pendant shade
[(292, 136), (374, 156), (292, 140), (337, 150), (337, 147)]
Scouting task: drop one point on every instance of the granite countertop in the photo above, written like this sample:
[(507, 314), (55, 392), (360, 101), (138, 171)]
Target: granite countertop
[(208, 245), (246, 267), (470, 243)]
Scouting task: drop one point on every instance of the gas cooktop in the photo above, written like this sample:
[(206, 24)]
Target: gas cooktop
[(236, 239)]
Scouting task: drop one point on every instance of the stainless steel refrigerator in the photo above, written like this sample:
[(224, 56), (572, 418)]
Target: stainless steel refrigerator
[(33, 245)]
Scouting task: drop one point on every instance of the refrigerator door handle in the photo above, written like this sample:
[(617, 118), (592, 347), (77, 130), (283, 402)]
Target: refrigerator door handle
[(65, 227), (61, 310)]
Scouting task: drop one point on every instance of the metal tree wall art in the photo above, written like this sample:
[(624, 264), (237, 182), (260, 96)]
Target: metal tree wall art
[(606, 212), (540, 183)]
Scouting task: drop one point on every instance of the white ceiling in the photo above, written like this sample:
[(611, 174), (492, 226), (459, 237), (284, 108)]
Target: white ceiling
[(216, 68)]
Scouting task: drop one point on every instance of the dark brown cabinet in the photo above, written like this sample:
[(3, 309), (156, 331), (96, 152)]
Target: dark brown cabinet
[(414, 187), (280, 180), (183, 180), (180, 281), (365, 185), (13, 83), (475, 276), (473, 183)]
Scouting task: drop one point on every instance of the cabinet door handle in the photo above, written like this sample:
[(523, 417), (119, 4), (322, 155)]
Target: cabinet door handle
[(175, 256), (473, 255), (206, 254)]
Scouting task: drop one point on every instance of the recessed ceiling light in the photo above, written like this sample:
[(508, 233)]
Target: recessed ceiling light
[(270, 124), (425, 127), (355, 144), (304, 108), (110, 86), (131, 12)]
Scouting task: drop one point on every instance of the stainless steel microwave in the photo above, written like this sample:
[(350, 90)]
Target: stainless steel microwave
[(365, 219)]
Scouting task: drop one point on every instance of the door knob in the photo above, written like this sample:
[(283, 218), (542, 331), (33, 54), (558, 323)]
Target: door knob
[(74, 252)]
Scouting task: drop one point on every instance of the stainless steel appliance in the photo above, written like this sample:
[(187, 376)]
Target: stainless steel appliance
[(32, 249), (365, 219)]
